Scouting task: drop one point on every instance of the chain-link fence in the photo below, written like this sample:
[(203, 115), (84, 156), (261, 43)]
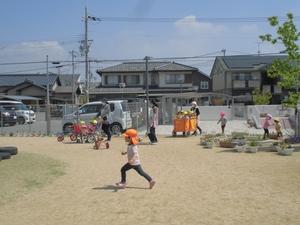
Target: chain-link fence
[(32, 121)]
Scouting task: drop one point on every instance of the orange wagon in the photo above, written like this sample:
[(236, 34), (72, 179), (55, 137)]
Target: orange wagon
[(185, 124)]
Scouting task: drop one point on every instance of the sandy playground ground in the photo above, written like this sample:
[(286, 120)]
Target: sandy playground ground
[(194, 186)]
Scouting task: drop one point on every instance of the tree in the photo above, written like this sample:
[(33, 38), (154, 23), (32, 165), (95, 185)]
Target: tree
[(261, 98), (286, 70)]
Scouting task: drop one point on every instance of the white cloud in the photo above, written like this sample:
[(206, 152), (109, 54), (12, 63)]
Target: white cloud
[(190, 24), (30, 51)]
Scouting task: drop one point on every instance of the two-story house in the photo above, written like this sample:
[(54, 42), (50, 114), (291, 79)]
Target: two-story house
[(128, 80), (239, 75)]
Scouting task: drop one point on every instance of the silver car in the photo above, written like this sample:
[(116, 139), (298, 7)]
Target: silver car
[(120, 115)]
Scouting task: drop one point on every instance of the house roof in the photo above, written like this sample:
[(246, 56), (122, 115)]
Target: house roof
[(152, 66), (66, 79), (27, 83), (18, 97), (37, 79), (248, 61)]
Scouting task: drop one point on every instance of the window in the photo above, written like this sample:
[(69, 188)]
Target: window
[(239, 84), (174, 78), (204, 85), (242, 76), (112, 79), (91, 108), (277, 89), (132, 79)]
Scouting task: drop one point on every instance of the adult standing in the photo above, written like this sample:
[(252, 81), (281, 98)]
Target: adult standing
[(196, 110), (154, 123), (105, 114)]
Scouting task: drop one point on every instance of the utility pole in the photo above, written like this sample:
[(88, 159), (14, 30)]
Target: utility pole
[(73, 71), (86, 52), (147, 94), (48, 98)]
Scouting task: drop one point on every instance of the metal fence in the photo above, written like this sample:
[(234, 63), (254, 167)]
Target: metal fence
[(37, 126), (137, 109)]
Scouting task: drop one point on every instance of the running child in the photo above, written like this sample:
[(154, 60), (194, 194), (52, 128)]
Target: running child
[(131, 137), (223, 121)]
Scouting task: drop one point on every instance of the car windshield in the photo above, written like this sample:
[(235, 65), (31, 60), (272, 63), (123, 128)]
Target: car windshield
[(21, 107)]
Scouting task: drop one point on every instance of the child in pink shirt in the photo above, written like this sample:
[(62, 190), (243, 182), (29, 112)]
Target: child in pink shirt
[(133, 159), (266, 125)]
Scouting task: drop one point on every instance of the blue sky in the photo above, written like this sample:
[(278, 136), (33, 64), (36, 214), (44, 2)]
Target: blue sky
[(32, 29)]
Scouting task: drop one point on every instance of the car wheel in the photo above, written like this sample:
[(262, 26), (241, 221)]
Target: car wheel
[(116, 128), (67, 129), (21, 120), (10, 149)]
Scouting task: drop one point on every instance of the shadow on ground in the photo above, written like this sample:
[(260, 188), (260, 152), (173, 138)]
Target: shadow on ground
[(114, 188)]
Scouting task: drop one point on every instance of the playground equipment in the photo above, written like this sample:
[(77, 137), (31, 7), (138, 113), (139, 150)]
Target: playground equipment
[(80, 133)]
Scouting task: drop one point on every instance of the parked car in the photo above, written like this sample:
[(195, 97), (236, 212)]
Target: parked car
[(24, 114), (7, 117), (120, 114)]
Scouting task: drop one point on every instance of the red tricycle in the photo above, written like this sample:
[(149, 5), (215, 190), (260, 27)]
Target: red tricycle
[(80, 133)]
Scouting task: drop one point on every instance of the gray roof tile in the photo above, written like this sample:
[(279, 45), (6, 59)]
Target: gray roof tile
[(152, 66), (38, 79), (249, 61)]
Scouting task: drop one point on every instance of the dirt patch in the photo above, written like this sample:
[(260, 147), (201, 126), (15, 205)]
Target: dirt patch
[(194, 186)]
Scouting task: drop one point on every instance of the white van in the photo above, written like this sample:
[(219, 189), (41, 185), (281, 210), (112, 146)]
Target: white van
[(24, 114), (120, 115)]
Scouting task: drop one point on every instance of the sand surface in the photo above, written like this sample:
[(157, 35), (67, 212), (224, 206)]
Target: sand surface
[(194, 186)]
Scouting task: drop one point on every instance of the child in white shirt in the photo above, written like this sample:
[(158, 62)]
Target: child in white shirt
[(133, 159)]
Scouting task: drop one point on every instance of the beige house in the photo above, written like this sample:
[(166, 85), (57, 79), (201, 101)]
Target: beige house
[(129, 80), (239, 75)]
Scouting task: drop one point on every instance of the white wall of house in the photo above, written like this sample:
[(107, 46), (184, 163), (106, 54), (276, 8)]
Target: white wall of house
[(211, 113)]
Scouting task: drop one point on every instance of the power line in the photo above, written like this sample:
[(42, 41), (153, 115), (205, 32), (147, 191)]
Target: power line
[(35, 69), (191, 19), (204, 56)]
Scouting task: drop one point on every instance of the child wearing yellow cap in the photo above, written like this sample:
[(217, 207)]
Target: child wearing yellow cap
[(278, 128), (132, 139)]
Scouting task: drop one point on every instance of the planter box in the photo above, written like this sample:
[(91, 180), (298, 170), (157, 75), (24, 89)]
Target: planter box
[(285, 152), (225, 144), (240, 148), (251, 149), (267, 149)]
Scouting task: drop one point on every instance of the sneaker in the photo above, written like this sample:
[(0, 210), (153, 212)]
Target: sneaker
[(121, 185), (151, 184)]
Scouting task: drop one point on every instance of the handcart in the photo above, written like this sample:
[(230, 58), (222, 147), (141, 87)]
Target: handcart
[(185, 124)]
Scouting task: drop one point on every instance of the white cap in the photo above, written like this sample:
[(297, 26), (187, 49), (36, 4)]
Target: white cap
[(194, 103)]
